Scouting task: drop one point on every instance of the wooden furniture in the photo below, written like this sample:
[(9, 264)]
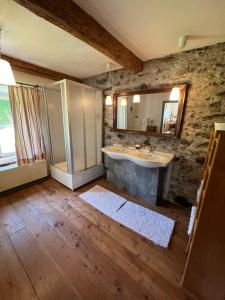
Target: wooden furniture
[(151, 128), (204, 273)]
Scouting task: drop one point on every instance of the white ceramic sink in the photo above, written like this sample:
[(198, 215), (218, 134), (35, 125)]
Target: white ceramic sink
[(140, 157)]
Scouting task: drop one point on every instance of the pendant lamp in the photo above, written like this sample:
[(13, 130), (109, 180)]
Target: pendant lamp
[(6, 73)]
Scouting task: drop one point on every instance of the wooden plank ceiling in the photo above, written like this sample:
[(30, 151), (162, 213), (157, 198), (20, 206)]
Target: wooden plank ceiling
[(70, 17)]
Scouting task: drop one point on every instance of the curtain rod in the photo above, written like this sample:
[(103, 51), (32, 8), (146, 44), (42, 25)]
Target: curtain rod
[(22, 83)]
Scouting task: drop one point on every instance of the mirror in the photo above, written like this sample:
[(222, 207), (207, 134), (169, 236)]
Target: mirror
[(169, 117), (150, 112)]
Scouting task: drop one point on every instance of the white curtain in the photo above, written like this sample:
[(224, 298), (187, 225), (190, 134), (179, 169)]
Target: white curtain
[(25, 106)]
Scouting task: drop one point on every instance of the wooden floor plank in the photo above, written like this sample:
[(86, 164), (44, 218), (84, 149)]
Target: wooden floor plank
[(66, 249), (14, 282), (80, 276), (99, 265), (164, 261), (152, 283), (10, 221), (48, 282)]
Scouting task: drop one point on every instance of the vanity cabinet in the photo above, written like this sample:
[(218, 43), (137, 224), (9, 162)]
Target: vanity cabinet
[(142, 174)]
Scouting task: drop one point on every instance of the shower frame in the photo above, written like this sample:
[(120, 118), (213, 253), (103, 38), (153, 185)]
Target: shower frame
[(88, 174)]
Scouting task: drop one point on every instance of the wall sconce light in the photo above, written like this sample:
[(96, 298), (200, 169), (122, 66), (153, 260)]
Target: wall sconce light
[(136, 99), (175, 93), (108, 100)]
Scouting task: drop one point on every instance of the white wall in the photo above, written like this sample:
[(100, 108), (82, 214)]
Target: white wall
[(15, 176), (31, 79)]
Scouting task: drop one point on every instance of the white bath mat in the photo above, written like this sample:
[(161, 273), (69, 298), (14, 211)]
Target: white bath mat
[(151, 225), (104, 200)]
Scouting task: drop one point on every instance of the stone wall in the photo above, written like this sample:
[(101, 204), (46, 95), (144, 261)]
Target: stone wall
[(204, 69)]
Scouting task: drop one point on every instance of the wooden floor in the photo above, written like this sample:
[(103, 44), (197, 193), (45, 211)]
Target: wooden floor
[(55, 246)]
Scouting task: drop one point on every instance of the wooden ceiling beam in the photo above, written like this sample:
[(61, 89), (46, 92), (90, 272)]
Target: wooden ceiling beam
[(70, 17), (30, 68)]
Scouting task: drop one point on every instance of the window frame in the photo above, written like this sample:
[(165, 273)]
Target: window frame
[(3, 156)]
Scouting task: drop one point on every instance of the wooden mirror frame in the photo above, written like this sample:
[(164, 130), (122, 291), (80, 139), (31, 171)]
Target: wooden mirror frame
[(180, 112)]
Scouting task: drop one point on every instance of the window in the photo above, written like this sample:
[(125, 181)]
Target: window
[(7, 137)]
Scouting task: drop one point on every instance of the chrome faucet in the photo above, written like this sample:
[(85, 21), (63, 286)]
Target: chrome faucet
[(124, 146), (148, 148)]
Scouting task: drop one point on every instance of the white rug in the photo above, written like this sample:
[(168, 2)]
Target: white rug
[(104, 200), (153, 226)]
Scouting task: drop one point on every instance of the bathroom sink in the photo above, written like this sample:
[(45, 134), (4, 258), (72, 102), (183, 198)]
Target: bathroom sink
[(140, 157)]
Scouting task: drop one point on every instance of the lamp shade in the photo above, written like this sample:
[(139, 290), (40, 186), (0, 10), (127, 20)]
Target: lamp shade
[(136, 99), (175, 94), (6, 74), (108, 100)]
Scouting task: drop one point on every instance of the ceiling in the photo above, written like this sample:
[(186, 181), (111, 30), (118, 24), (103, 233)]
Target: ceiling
[(149, 28), (32, 39)]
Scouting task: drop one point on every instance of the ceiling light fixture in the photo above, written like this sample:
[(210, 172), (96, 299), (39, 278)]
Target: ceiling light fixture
[(6, 73), (123, 101), (136, 99), (108, 99), (175, 93)]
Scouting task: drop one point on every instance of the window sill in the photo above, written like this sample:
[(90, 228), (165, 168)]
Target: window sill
[(8, 167), (8, 160)]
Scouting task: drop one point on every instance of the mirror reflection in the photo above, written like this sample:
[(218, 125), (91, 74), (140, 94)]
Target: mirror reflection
[(156, 111), (147, 112), (169, 117)]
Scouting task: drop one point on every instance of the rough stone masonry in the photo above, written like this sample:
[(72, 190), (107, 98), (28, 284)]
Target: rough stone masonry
[(204, 69)]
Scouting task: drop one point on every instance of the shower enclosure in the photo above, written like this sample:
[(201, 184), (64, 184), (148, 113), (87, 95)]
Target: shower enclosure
[(74, 114)]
